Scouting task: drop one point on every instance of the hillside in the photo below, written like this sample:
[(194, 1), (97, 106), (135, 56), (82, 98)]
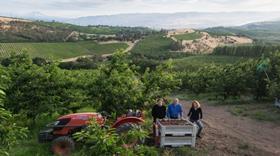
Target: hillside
[(15, 30), (263, 31), (193, 41), (18, 30)]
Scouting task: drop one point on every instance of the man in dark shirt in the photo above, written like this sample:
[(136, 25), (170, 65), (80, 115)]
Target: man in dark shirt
[(195, 116), (159, 110)]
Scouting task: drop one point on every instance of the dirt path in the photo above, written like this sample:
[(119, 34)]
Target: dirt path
[(226, 134)]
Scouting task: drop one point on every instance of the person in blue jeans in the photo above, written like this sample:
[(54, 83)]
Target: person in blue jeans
[(195, 116), (174, 110)]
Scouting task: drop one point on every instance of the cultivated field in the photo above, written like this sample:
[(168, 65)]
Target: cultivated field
[(189, 36), (197, 61), (60, 50)]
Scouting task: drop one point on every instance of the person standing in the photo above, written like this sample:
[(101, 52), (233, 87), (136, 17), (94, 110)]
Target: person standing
[(195, 116), (174, 110), (158, 110)]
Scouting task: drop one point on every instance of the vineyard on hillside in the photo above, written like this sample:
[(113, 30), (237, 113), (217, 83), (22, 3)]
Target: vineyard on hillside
[(60, 50)]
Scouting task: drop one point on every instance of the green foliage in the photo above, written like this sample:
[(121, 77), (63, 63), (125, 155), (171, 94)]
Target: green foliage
[(160, 82), (34, 90), (189, 36), (193, 63), (144, 62), (255, 50), (96, 140), (274, 75), (228, 80), (119, 86), (60, 50), (10, 132), (176, 45), (258, 77), (82, 63)]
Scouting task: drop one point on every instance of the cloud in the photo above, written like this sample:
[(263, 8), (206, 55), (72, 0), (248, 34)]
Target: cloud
[(98, 7)]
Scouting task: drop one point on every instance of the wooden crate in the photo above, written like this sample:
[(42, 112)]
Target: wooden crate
[(175, 134)]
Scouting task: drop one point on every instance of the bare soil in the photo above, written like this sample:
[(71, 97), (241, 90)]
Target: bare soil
[(207, 43), (226, 134), (7, 19)]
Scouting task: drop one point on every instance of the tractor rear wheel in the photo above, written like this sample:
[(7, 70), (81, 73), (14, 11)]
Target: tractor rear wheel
[(63, 146), (124, 128)]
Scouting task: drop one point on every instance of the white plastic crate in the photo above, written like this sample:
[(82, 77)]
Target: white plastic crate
[(176, 135), (177, 141)]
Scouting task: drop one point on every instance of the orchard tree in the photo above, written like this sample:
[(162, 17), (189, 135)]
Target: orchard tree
[(10, 132), (34, 90), (274, 74), (160, 82), (117, 86)]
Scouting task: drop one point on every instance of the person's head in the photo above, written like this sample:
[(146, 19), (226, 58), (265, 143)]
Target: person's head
[(195, 104), (160, 102), (175, 101)]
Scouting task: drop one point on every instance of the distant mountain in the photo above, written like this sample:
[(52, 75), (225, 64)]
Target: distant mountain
[(161, 20), (34, 16), (264, 31), (40, 16), (177, 20), (270, 26)]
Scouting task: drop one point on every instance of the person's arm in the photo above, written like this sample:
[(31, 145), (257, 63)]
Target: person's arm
[(181, 111), (200, 113), (167, 112), (154, 111), (190, 112), (164, 111)]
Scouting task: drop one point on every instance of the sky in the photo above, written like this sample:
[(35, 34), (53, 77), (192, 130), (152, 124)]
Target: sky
[(78, 8)]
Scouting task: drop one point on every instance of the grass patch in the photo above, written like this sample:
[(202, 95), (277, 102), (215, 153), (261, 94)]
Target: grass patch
[(31, 147), (197, 61), (182, 151), (153, 46), (258, 111), (189, 36), (60, 50)]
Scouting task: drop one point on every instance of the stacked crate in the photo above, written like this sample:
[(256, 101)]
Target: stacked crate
[(176, 133)]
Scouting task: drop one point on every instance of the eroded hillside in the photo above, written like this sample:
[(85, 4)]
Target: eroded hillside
[(202, 42)]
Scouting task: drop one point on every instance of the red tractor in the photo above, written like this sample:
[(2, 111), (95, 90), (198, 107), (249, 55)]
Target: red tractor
[(60, 132)]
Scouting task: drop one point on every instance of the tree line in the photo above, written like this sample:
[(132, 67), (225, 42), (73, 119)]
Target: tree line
[(246, 50), (258, 77)]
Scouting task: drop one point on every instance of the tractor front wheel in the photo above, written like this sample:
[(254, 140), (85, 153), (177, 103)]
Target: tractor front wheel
[(63, 146)]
